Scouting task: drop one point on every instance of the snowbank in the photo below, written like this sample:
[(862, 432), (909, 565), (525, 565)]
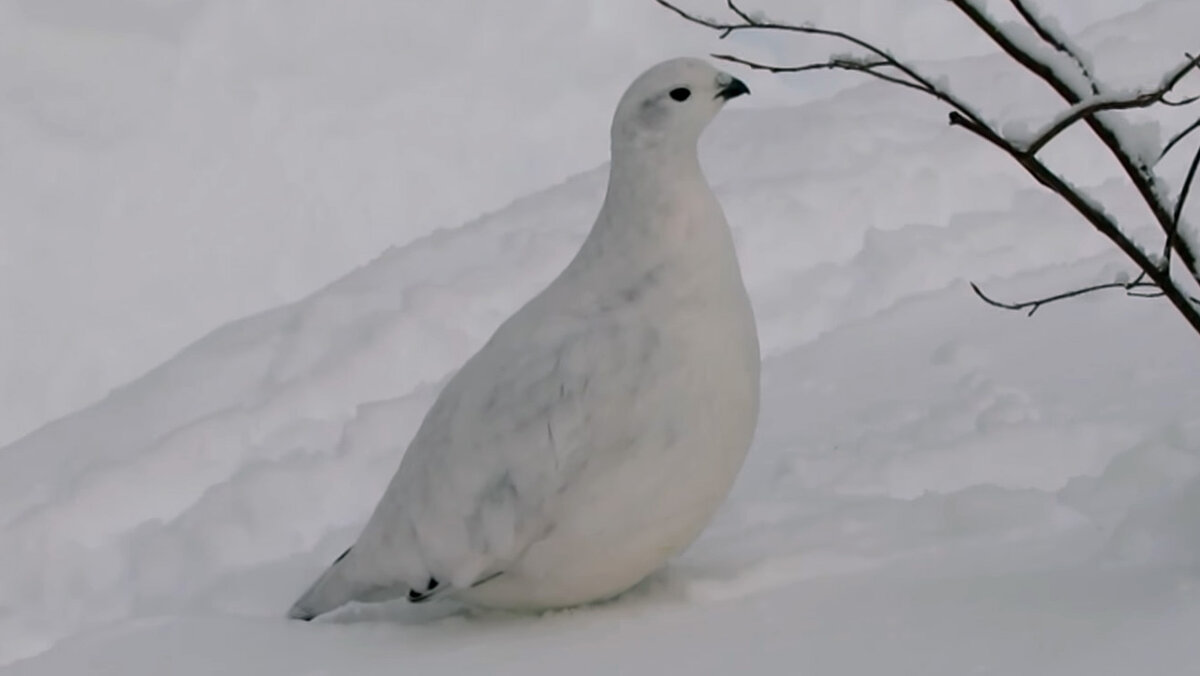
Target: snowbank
[(937, 487)]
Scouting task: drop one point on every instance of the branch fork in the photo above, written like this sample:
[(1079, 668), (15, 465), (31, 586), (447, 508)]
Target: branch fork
[(1070, 76)]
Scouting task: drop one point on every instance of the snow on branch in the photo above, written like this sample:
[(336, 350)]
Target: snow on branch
[(1049, 33), (1102, 102), (1138, 170), (1039, 47)]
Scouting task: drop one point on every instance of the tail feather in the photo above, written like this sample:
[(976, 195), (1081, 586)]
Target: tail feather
[(352, 579), (332, 590)]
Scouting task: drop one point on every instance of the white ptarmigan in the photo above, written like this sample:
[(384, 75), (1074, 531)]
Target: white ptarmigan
[(596, 433)]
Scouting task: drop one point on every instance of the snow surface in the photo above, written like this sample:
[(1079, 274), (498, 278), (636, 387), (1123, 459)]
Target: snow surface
[(936, 487)]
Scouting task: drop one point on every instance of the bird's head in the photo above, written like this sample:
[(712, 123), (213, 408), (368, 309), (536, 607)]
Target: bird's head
[(669, 105)]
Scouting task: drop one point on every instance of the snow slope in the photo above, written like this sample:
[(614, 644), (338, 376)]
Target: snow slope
[(257, 150), (936, 487)]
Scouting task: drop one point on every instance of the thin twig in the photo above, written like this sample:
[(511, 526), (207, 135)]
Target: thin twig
[(741, 15), (1186, 190), (696, 18), (858, 66), (1177, 216), (1179, 137), (1131, 289), (1181, 102), (909, 76)]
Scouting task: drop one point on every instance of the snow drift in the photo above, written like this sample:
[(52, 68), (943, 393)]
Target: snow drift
[(936, 486)]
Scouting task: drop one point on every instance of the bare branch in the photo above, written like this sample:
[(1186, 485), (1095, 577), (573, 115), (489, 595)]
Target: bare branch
[(1186, 190), (848, 64), (1181, 102), (694, 18), (1131, 289), (741, 15), (1177, 215), (1179, 137)]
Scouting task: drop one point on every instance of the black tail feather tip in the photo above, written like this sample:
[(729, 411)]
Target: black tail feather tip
[(302, 615), (415, 596)]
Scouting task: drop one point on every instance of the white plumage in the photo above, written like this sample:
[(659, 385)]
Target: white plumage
[(595, 434)]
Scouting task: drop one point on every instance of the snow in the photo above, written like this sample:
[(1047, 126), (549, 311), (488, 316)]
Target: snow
[(936, 486), (258, 150)]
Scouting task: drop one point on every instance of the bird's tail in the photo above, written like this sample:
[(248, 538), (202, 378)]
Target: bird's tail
[(331, 591)]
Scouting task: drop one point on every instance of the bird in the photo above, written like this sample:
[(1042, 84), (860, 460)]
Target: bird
[(596, 433)]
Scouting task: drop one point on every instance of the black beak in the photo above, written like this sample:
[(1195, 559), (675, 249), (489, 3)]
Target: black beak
[(733, 89)]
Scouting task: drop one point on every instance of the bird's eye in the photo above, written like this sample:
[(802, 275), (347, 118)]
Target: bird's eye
[(681, 93)]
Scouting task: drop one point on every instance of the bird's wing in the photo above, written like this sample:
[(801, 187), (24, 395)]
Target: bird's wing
[(506, 436)]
